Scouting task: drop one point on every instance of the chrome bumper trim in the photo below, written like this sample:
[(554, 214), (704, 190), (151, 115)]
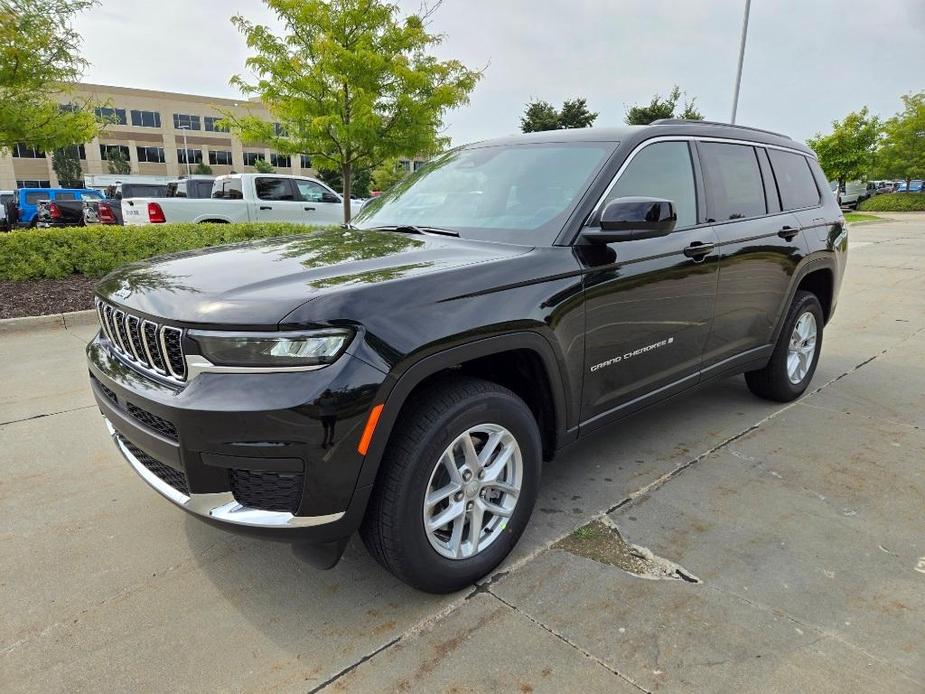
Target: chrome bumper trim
[(222, 505)]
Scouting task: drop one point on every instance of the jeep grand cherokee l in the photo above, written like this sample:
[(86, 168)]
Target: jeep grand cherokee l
[(407, 375)]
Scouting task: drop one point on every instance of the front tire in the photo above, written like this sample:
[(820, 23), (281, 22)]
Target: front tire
[(456, 486), (793, 362)]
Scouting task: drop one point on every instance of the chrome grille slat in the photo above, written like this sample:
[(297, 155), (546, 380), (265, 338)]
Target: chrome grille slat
[(150, 347)]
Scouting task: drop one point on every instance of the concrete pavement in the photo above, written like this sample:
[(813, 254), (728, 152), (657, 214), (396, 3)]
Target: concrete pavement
[(805, 524)]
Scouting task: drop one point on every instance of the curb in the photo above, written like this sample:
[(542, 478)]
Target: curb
[(65, 321)]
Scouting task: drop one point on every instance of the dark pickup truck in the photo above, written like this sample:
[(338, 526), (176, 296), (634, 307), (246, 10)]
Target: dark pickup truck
[(68, 213), (408, 375)]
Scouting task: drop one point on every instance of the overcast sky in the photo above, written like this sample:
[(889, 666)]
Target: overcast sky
[(807, 61)]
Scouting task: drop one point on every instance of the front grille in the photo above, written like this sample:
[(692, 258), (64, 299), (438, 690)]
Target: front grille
[(174, 478), (148, 345), (268, 491), (152, 421), (106, 391)]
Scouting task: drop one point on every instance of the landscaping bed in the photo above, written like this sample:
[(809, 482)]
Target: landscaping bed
[(42, 297), (46, 271)]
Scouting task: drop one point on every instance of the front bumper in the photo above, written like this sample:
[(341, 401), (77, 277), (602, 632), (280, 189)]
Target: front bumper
[(270, 454), (217, 506)]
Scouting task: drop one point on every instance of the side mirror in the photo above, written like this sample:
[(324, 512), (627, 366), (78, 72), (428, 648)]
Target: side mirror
[(632, 218), (328, 196)]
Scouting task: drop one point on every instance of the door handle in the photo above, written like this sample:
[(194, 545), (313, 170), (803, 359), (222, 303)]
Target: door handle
[(699, 250), (309, 209), (265, 207), (788, 232)]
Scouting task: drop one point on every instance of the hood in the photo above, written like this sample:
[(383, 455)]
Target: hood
[(257, 283)]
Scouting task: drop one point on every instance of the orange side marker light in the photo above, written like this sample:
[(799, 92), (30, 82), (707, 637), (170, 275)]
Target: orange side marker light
[(368, 430)]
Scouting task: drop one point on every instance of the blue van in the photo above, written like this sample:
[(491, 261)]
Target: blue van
[(28, 198)]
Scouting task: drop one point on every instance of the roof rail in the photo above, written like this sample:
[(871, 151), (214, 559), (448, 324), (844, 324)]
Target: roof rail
[(685, 121)]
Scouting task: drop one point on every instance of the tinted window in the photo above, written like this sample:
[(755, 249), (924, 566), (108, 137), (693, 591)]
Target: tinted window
[(734, 187), (794, 180), (273, 189), (65, 196), (33, 198), (146, 119), (310, 191), (662, 170), (91, 195), (228, 188)]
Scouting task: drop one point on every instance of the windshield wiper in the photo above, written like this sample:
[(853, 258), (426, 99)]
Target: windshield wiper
[(414, 229)]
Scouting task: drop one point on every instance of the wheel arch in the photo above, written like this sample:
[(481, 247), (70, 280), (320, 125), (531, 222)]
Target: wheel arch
[(475, 358), (815, 272)]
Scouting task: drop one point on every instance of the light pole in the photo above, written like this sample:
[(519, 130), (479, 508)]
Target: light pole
[(184, 128), (735, 98)]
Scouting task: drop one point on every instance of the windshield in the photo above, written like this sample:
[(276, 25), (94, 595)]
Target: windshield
[(515, 193)]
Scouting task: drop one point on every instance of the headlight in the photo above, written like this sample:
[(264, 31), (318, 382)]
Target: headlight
[(314, 348)]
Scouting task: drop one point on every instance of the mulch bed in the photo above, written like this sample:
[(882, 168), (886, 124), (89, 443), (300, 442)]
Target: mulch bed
[(41, 297)]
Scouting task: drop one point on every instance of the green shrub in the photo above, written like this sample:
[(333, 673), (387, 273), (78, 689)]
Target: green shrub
[(28, 254), (895, 202)]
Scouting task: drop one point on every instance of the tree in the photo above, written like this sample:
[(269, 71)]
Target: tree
[(663, 108), (350, 82), (263, 166), (902, 152), (39, 66), (66, 164), (541, 115), (846, 154), (387, 174), (359, 186), (203, 169), (116, 161)]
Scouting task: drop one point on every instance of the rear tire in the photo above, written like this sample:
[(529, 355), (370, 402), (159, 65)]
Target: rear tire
[(428, 443), (793, 362)]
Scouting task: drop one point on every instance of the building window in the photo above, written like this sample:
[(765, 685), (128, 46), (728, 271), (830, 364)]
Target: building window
[(214, 124), (419, 164), (77, 151), (146, 119), (405, 165), (305, 161), (27, 152), (107, 151), (250, 158), (185, 122), (114, 116), (151, 155), (220, 157), (32, 183), (279, 130), (194, 156), (283, 161)]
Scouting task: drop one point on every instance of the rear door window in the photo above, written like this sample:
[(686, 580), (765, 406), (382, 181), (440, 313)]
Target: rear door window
[(273, 188), (733, 177), (64, 195), (794, 180), (33, 198)]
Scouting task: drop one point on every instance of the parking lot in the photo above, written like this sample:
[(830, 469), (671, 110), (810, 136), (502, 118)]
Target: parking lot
[(803, 524)]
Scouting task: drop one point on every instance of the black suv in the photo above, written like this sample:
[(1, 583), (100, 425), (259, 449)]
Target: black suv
[(407, 375)]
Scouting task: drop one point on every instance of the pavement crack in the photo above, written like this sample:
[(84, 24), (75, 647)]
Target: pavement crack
[(353, 666), (46, 414), (566, 640)]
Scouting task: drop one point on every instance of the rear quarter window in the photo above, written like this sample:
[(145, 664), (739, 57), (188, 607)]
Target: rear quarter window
[(33, 198), (794, 180)]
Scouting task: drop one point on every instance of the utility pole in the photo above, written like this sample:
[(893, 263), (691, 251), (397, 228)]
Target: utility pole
[(735, 98), (184, 128)]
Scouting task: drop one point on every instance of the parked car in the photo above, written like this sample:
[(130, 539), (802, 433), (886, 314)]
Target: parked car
[(68, 213), (28, 199), (836, 191), (916, 185), (407, 376), (246, 198), (199, 187), (854, 193)]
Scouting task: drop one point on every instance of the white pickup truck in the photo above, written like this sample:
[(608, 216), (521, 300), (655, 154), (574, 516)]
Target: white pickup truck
[(246, 198)]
